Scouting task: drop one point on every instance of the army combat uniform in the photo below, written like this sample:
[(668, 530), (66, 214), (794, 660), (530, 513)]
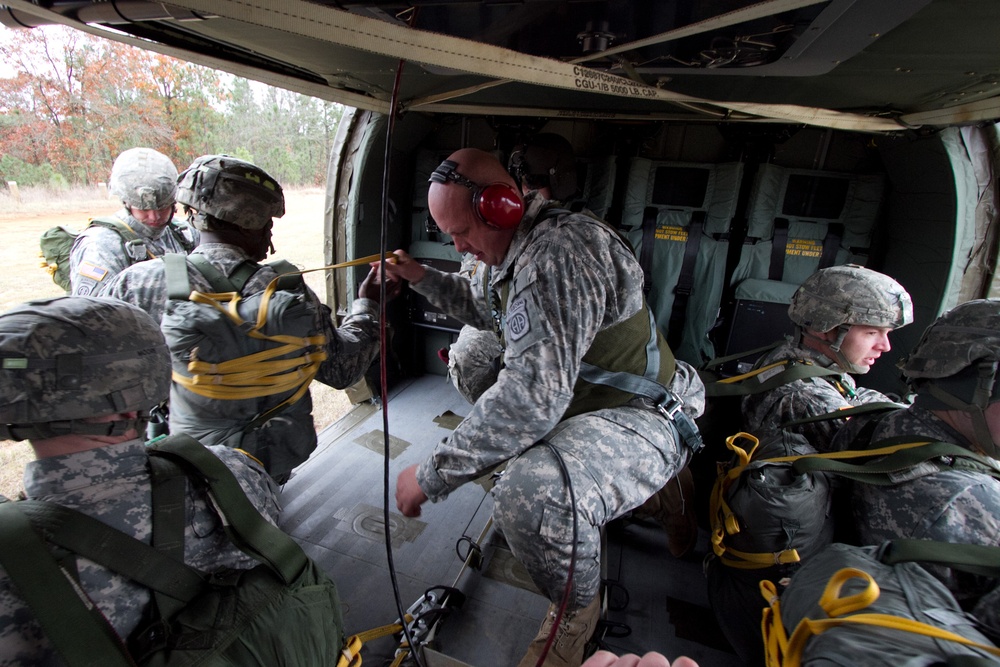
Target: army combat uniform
[(567, 278), (350, 349), (804, 398), (112, 483), (99, 253)]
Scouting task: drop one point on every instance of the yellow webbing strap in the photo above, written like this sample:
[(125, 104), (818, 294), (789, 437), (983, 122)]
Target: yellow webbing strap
[(785, 651), (756, 371), (351, 654), (724, 520)]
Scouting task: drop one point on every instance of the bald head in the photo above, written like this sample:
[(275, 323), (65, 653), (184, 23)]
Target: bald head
[(452, 207)]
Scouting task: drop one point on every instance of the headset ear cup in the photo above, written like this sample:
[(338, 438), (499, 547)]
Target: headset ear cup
[(498, 205)]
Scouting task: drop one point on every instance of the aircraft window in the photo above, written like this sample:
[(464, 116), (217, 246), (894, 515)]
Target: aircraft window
[(815, 196), (680, 186)]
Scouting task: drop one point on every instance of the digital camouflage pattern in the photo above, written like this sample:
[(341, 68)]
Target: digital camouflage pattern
[(474, 362), (850, 294), (804, 398), (123, 360), (570, 279), (112, 484), (231, 190), (350, 350), (948, 506), (474, 357), (143, 178), (966, 334), (99, 253)]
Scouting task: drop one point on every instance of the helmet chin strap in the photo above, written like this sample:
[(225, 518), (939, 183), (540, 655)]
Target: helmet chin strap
[(834, 347)]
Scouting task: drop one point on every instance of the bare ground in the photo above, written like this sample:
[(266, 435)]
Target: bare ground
[(298, 237)]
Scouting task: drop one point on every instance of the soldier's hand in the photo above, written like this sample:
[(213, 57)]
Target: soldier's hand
[(371, 288), (409, 495), (651, 659), (405, 267)]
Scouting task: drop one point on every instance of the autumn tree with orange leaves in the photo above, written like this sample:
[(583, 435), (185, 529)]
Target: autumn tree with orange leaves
[(74, 101)]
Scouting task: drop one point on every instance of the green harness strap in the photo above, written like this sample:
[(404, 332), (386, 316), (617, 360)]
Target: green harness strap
[(179, 286), (891, 469), (67, 620), (863, 409), (978, 559), (795, 369), (77, 630)]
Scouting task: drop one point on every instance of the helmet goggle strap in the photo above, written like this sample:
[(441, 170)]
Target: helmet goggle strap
[(46, 430)]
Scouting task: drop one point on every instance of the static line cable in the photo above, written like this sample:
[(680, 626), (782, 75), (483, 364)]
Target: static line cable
[(383, 363)]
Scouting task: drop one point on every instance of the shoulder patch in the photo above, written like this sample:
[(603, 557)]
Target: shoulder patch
[(88, 270), (518, 321)]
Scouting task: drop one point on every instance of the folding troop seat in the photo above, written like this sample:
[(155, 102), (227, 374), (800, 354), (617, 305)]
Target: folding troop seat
[(677, 216), (799, 221)]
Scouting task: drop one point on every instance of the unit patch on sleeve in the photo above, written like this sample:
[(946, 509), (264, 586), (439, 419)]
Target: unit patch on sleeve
[(518, 322)]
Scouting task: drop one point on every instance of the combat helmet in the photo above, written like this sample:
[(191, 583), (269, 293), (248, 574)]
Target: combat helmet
[(954, 364), (144, 179), (848, 295), (231, 190), (66, 359), (546, 160)]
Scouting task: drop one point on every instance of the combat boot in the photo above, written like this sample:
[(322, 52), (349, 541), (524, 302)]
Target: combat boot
[(673, 507), (568, 645)]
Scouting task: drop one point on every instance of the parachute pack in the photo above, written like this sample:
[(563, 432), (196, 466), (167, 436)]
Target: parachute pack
[(284, 611), (871, 606), (239, 362), (773, 510)]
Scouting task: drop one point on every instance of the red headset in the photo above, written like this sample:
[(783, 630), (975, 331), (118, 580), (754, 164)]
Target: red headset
[(498, 204)]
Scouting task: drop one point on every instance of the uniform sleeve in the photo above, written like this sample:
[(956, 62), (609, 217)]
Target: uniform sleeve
[(143, 285), (453, 294), (352, 347), (258, 486), (556, 307), (96, 257)]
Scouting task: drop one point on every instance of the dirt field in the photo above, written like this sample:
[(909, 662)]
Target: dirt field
[(298, 237)]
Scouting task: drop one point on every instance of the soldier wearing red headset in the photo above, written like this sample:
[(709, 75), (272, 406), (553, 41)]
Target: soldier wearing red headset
[(590, 412)]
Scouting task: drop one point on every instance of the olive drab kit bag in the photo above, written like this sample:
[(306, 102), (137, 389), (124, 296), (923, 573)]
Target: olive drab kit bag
[(284, 611), (56, 242)]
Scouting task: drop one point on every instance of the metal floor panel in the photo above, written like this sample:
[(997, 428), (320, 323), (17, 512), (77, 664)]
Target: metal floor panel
[(333, 507)]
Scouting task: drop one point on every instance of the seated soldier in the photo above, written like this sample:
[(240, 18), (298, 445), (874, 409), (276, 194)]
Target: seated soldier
[(843, 316), (77, 376), (953, 370)]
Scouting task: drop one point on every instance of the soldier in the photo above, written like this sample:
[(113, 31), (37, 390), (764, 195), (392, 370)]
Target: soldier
[(579, 450), (146, 182), (78, 374), (235, 202), (954, 372), (545, 164), (843, 316)]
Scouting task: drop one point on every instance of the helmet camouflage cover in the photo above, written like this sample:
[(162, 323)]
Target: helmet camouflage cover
[(71, 358), (144, 179), (231, 190), (848, 295), (967, 334)]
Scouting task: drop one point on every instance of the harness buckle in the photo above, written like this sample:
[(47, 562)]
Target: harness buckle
[(670, 405)]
